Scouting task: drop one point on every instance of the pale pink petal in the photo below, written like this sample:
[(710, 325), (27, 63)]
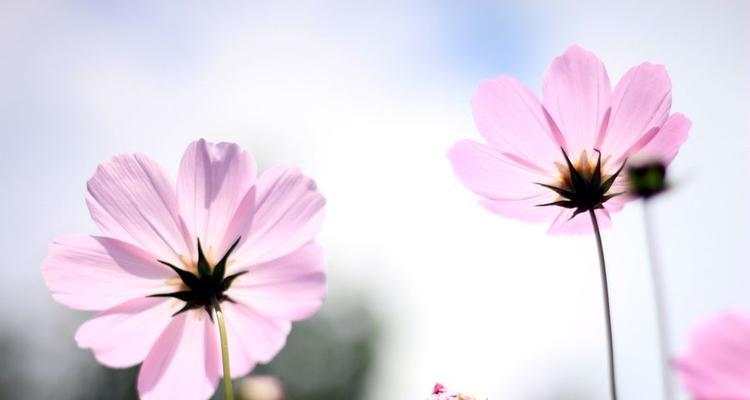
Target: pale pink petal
[(528, 210), (291, 287), (640, 103), (241, 360), (617, 203), (580, 224), (717, 364), (240, 224), (96, 273), (131, 199), (508, 185), (185, 361), (252, 337), (212, 182), (576, 93), (667, 141), (620, 186), (490, 174), (511, 118), (289, 212), (123, 335)]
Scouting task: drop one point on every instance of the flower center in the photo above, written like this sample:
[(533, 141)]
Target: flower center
[(582, 186), (208, 285)]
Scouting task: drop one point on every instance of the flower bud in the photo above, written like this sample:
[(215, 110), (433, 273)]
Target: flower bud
[(647, 180)]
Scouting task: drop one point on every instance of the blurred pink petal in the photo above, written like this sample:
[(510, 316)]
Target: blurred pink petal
[(580, 116), (717, 363), (523, 209), (261, 387), (273, 220), (578, 225)]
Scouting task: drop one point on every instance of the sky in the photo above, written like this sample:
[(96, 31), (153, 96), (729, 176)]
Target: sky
[(366, 97)]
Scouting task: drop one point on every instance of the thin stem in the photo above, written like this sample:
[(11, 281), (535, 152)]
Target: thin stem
[(608, 318), (228, 394), (659, 303)]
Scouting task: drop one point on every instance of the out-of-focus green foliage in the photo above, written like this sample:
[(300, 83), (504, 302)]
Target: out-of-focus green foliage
[(326, 357)]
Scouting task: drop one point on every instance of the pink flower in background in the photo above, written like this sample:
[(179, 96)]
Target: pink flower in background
[(440, 392), (549, 160), (220, 233), (717, 363), (261, 387)]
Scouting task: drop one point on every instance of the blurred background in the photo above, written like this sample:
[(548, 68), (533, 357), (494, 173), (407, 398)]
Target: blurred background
[(425, 285)]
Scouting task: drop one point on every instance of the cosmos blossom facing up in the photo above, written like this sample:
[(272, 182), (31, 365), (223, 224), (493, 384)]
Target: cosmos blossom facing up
[(716, 365), (220, 234), (550, 160)]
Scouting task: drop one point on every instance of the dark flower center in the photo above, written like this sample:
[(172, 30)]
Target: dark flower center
[(647, 180), (583, 188), (206, 288)]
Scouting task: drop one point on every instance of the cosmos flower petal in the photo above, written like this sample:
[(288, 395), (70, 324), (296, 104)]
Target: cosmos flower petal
[(185, 361), (527, 210), (131, 199), (212, 182), (96, 273), (512, 120), (254, 337), (640, 102), (576, 92), (123, 335), (717, 363), (580, 224), (289, 212), (617, 203), (240, 224), (291, 287), (241, 360), (491, 174), (665, 145)]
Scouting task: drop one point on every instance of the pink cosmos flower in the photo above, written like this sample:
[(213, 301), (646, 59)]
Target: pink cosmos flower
[(221, 232), (717, 363), (261, 387), (566, 150), (440, 392)]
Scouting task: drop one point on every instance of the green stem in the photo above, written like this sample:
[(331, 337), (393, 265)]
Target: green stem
[(228, 394), (605, 295), (660, 304)]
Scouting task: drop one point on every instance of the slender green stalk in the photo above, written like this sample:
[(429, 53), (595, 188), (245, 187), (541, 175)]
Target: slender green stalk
[(659, 303), (608, 318), (228, 394)]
